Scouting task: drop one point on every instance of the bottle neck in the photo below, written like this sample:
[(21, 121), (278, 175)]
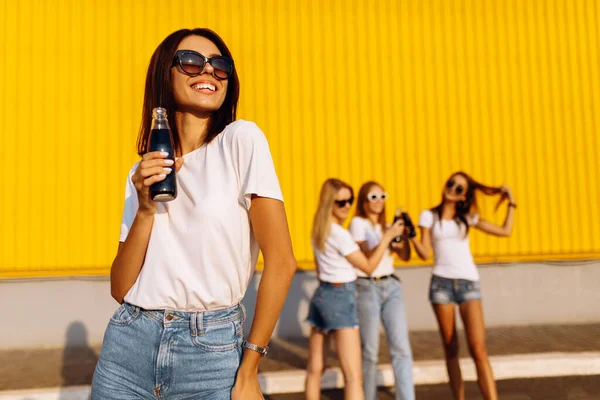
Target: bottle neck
[(160, 123)]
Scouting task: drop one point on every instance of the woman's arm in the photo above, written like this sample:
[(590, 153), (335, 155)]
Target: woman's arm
[(402, 249), (368, 265), (131, 254), (423, 245), (269, 224), (506, 228)]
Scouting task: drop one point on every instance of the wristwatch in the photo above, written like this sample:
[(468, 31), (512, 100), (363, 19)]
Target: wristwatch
[(261, 350)]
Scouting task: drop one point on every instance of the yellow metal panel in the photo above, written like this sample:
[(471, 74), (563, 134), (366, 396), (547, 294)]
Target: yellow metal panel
[(403, 92)]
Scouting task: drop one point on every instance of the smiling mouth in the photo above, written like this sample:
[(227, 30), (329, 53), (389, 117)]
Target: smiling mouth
[(204, 86)]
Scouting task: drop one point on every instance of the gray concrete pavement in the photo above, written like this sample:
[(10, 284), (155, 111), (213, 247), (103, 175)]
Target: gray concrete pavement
[(561, 388)]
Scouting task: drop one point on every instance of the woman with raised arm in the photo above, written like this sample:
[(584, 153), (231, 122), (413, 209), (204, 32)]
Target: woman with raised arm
[(455, 280)]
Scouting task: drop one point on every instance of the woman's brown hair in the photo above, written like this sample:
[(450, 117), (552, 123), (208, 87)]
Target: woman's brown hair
[(469, 205), (362, 200)]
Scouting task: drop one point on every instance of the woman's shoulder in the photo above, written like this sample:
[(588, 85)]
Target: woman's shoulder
[(337, 229), (363, 223), (242, 131), (240, 124), (427, 213), (358, 220), (426, 218), (339, 232)]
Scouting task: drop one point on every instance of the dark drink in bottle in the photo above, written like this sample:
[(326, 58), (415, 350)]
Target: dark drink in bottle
[(400, 213), (408, 224), (162, 140)]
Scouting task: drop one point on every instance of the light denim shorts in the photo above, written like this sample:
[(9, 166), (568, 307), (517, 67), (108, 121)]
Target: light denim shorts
[(447, 291), (165, 354), (333, 307)]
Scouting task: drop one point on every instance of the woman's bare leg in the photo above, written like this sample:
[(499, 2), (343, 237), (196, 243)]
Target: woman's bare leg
[(316, 363), (347, 342), (471, 313), (444, 314)]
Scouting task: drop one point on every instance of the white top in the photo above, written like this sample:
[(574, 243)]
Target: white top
[(451, 248), (332, 264), (202, 251), (362, 230)]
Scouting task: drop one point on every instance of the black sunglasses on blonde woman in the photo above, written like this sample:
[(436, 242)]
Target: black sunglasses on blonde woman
[(342, 203)]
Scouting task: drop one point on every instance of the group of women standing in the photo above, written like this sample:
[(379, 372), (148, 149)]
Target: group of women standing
[(358, 288), (183, 267)]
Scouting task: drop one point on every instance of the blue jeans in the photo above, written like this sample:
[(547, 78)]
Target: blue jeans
[(333, 307), (448, 291), (163, 354), (383, 300)]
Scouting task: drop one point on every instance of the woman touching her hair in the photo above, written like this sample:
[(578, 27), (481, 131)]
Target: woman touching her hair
[(455, 279)]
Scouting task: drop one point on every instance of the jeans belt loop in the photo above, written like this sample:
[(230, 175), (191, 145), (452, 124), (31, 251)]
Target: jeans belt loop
[(200, 323), (243, 312)]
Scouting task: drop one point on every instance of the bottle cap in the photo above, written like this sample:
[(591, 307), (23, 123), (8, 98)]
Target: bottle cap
[(159, 113)]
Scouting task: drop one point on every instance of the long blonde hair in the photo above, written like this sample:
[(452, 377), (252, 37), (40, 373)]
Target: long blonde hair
[(322, 221)]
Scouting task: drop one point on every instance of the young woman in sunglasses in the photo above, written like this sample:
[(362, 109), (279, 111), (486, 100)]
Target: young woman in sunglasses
[(380, 296), (332, 309), (182, 267), (455, 280)]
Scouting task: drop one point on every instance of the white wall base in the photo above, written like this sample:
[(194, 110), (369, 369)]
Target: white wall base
[(58, 313)]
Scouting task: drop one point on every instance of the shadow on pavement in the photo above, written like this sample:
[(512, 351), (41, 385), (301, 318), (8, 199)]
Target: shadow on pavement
[(79, 359)]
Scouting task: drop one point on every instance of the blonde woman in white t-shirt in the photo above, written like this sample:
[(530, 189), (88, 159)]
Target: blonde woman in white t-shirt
[(182, 267), (380, 297), (455, 280), (333, 306)]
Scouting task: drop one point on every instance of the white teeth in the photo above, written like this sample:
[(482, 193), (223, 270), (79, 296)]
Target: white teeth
[(208, 86)]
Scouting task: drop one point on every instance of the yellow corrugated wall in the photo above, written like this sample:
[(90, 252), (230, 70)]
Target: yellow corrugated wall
[(403, 92)]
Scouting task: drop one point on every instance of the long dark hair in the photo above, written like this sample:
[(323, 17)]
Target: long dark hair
[(159, 90), (362, 199), (469, 205)]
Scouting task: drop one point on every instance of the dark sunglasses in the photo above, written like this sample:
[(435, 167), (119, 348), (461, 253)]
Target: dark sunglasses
[(342, 203), (374, 196), (192, 63), (458, 189)]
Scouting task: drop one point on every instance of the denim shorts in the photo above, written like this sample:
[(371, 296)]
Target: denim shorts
[(333, 307), (165, 354), (447, 291)]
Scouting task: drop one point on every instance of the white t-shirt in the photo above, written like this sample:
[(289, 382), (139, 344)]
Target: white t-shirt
[(451, 248), (332, 263), (202, 251), (362, 230)]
